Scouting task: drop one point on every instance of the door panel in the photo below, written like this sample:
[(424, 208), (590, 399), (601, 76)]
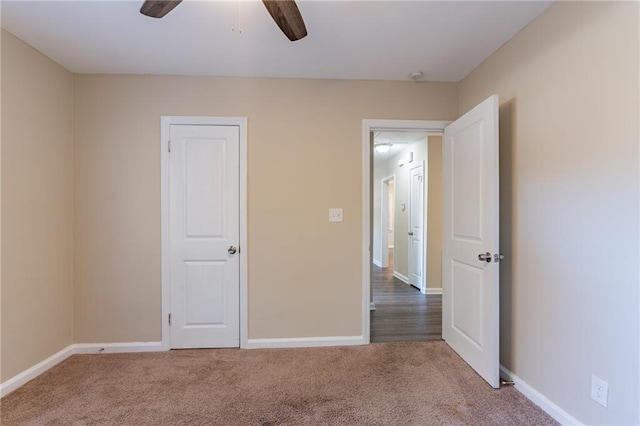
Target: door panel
[(204, 187), (204, 223), (466, 290), (466, 151), (416, 226), (204, 293), (470, 294)]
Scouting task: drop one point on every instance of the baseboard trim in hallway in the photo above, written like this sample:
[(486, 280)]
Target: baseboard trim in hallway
[(401, 277)]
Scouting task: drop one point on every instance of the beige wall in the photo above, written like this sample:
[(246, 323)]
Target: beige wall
[(434, 212), (37, 155), (569, 135), (1, 32), (304, 156)]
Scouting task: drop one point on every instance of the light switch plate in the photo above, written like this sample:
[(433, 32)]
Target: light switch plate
[(335, 215)]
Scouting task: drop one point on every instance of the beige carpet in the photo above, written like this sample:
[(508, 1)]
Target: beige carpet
[(379, 384)]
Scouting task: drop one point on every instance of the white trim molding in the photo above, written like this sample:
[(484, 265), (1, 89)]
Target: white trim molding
[(82, 348), (31, 373), (165, 123), (401, 277), (377, 263), (117, 348), (433, 290), (306, 342), (539, 399), (368, 126)]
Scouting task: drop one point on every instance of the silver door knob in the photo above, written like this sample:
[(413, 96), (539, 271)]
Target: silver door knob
[(232, 250), (498, 257), (485, 257), (410, 233)]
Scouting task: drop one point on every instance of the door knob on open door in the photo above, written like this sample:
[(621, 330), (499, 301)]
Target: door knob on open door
[(232, 250), (410, 233), (485, 257)]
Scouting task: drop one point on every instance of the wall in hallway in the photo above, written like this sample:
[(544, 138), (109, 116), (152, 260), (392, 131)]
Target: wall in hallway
[(434, 212)]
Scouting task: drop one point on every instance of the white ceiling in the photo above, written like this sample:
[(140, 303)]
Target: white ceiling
[(398, 141), (380, 40)]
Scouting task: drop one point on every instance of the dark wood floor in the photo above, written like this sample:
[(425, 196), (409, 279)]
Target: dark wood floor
[(403, 314)]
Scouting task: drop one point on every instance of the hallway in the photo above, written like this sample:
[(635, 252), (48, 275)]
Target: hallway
[(403, 314)]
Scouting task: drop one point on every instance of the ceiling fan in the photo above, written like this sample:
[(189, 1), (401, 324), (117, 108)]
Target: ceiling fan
[(284, 12)]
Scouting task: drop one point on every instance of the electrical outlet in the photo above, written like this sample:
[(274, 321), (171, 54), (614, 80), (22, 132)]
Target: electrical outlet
[(599, 390), (335, 215)]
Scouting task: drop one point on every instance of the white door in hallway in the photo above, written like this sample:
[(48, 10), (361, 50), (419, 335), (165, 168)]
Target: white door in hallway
[(204, 166), (416, 226), (470, 273)]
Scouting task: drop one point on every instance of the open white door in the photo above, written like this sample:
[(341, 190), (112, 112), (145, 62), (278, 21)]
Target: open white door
[(416, 226), (470, 273)]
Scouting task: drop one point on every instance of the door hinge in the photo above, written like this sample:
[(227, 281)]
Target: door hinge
[(169, 319), (169, 146)]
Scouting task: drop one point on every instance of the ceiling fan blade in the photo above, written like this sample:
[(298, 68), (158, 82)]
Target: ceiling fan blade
[(287, 15), (158, 8)]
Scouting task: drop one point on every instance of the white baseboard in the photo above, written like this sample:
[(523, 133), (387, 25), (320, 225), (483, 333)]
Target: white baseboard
[(372, 306), (401, 277), (305, 342), (115, 348), (539, 399), (81, 348), (31, 373), (377, 263), (434, 290)]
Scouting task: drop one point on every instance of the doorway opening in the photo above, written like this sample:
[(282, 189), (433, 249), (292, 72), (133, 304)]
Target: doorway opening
[(405, 261), (370, 193)]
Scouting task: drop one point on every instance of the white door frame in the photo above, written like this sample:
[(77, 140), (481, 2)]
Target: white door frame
[(166, 122), (384, 220), (369, 126)]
